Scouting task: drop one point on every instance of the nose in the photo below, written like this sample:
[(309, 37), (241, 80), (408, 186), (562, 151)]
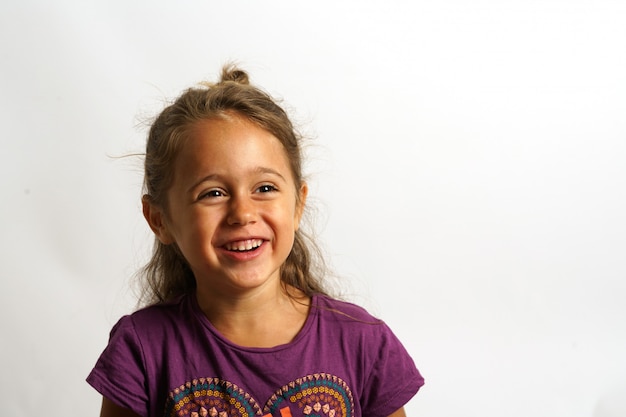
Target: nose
[(241, 211)]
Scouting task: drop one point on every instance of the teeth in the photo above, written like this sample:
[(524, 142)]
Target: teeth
[(244, 245)]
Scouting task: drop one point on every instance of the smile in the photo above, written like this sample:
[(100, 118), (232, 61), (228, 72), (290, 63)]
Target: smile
[(244, 245)]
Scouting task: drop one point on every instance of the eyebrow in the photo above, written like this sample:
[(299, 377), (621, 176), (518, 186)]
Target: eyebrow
[(264, 170), (257, 170)]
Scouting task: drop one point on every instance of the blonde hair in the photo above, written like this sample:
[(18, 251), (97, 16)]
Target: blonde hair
[(167, 275)]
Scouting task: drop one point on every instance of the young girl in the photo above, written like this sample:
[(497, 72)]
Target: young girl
[(238, 324)]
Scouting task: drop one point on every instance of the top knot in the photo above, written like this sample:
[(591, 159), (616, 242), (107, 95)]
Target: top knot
[(232, 73)]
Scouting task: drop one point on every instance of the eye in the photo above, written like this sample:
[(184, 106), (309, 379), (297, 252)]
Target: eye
[(266, 188), (211, 194)]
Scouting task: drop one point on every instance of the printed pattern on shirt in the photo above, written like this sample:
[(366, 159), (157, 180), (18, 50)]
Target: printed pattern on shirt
[(316, 395), (210, 397)]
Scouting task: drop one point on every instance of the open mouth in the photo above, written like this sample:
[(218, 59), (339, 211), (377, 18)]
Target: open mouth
[(244, 245)]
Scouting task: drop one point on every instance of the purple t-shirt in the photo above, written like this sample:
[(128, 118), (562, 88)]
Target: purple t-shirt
[(168, 360)]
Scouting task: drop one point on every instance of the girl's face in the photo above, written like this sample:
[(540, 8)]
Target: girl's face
[(233, 206)]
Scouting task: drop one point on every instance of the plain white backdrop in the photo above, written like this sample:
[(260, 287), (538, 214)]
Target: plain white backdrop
[(467, 166)]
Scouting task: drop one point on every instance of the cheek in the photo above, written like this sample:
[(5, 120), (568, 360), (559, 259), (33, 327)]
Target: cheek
[(283, 220), (195, 226)]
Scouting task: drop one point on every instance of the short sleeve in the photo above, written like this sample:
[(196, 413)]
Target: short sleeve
[(119, 373), (393, 379)]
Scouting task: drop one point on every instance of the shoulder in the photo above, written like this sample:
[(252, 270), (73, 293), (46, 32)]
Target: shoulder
[(354, 326), (155, 318), (349, 320), (136, 353), (328, 305), (369, 347)]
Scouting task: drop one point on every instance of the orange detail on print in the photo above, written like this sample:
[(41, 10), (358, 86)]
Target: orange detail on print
[(284, 412)]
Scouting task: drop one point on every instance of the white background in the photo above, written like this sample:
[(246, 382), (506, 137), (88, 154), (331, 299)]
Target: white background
[(468, 170)]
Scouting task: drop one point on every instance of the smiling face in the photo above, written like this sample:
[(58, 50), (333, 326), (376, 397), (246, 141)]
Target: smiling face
[(233, 206)]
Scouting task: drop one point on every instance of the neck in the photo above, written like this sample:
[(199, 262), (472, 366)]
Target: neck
[(265, 317)]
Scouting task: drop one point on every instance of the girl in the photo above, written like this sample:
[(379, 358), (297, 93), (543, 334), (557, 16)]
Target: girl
[(238, 323)]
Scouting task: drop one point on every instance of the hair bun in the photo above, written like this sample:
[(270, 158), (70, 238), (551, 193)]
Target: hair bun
[(234, 74)]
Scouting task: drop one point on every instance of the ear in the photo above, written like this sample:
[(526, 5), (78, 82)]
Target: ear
[(300, 204), (156, 220)]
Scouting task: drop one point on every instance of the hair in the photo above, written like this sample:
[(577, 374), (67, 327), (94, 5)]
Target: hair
[(167, 275)]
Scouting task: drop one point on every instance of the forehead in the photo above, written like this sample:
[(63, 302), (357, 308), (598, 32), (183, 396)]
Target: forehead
[(230, 145)]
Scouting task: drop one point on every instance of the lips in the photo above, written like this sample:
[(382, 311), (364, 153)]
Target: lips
[(243, 245)]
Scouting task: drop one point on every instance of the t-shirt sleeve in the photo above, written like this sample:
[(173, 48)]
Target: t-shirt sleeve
[(119, 373), (393, 379)]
